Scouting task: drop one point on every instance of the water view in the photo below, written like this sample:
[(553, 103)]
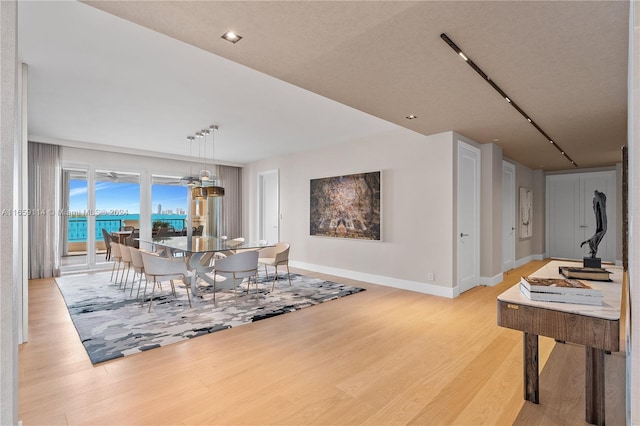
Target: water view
[(77, 231), (118, 205)]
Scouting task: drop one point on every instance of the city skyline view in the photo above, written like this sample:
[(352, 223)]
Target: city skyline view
[(125, 197)]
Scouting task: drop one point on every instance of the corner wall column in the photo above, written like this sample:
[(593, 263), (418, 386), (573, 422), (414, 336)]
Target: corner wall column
[(10, 260)]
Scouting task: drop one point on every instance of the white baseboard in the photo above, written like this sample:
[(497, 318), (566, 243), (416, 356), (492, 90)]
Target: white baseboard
[(416, 286), (491, 281), (528, 259)]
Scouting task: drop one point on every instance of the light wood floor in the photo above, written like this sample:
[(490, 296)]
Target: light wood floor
[(383, 356)]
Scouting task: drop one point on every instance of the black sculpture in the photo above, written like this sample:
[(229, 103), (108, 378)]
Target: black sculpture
[(600, 210)]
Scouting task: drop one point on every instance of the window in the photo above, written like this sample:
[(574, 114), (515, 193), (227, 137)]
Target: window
[(117, 206), (75, 210), (169, 200)]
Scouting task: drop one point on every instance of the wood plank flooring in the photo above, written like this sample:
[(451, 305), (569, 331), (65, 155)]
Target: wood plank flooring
[(383, 356)]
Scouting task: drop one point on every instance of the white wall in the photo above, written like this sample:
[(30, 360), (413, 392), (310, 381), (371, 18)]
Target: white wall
[(10, 252), (417, 209), (491, 216)]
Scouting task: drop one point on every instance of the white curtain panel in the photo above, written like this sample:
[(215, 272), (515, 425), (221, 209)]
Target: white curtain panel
[(45, 216), (231, 180)]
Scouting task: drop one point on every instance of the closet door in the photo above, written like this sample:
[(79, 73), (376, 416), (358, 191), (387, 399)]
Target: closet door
[(570, 216), (604, 182), (563, 217)]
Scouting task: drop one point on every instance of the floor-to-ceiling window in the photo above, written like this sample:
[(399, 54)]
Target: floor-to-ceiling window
[(94, 204), (117, 207), (169, 204), (75, 206)]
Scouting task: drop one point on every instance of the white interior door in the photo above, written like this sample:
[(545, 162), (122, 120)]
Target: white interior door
[(563, 192), (604, 182), (468, 230), (268, 206), (570, 216), (508, 216)]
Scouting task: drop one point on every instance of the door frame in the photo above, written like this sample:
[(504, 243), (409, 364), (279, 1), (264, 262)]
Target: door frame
[(510, 263), (260, 194), (476, 215)]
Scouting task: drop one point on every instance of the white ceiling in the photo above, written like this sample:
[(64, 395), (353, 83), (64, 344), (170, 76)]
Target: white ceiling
[(96, 78)]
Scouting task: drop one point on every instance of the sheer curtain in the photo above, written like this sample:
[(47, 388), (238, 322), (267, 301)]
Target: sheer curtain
[(231, 180), (45, 217)]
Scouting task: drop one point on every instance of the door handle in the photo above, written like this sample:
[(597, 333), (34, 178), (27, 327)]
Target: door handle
[(513, 228), (463, 235), (583, 226)]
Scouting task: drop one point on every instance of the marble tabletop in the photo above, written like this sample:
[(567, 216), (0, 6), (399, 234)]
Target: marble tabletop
[(611, 293)]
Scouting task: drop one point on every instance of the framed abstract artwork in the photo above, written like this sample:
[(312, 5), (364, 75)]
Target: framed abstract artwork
[(526, 213), (346, 206)]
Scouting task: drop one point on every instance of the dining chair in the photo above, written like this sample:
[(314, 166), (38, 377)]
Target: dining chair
[(125, 253), (107, 243), (236, 267), (275, 256), (162, 268), (138, 268), (231, 243), (132, 240), (116, 256), (162, 232)]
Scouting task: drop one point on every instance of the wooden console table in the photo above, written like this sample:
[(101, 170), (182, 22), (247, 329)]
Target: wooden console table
[(595, 327)]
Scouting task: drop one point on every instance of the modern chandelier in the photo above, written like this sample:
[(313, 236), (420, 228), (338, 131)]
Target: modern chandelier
[(203, 186)]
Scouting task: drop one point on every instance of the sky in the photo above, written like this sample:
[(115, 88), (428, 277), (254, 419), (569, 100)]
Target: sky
[(126, 197)]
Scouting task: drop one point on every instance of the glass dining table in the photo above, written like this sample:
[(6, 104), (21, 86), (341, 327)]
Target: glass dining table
[(199, 247)]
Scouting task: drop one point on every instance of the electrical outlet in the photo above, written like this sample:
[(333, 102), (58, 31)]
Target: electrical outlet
[(430, 276)]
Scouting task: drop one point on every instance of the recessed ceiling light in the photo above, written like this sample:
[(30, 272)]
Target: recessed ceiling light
[(496, 140), (232, 37), (411, 117)]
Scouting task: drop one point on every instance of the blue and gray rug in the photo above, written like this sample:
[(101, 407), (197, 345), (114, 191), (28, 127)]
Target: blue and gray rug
[(112, 324)]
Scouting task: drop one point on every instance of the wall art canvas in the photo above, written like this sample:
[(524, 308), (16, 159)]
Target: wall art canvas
[(346, 206), (526, 213)]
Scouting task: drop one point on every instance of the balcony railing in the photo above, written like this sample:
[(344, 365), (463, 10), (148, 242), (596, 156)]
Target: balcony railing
[(77, 226)]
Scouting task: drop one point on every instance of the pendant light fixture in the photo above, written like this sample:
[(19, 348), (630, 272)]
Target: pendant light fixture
[(205, 174), (190, 179), (207, 187)]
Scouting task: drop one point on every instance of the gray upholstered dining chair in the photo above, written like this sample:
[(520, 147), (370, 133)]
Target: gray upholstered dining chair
[(107, 243), (275, 256), (132, 239), (161, 268), (236, 267)]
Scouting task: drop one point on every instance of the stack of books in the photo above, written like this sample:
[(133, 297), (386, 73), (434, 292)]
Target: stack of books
[(560, 290), (595, 274)]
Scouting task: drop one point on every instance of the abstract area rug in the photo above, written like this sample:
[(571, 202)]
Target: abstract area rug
[(112, 324)]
